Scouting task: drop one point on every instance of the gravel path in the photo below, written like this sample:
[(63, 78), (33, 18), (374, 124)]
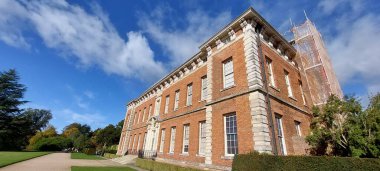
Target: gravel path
[(56, 162)]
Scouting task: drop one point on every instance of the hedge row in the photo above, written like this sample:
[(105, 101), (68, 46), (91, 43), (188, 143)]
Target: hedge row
[(158, 166), (255, 161)]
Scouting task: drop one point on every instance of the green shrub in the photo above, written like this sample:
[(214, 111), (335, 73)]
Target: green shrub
[(255, 161), (52, 144), (89, 151), (158, 166), (110, 156)]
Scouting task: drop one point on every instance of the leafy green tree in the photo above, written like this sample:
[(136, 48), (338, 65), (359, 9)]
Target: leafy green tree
[(342, 128), (39, 118), (331, 125), (365, 131)]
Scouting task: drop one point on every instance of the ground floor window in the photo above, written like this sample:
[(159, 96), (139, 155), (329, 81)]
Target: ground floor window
[(280, 134), (231, 141), (186, 136), (172, 140), (162, 140), (202, 137)]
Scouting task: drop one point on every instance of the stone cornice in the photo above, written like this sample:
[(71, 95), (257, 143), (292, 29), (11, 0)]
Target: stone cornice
[(252, 15)]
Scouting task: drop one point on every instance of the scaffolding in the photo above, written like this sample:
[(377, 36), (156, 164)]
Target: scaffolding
[(319, 73)]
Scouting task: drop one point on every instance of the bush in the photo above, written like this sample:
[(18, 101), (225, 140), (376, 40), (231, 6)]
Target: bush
[(52, 144), (110, 156), (158, 166), (255, 161), (89, 151)]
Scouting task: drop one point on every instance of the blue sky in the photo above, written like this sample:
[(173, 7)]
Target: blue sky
[(84, 60)]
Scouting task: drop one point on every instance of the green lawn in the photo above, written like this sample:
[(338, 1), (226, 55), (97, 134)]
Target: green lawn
[(7, 158), (85, 168), (85, 156)]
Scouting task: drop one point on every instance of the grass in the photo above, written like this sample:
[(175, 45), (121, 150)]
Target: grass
[(8, 158), (85, 168), (85, 156)]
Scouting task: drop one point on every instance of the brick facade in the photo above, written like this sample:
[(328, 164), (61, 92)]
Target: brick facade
[(248, 41)]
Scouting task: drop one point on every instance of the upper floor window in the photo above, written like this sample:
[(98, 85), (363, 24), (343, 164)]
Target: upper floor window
[(189, 94), (186, 136), (302, 94), (166, 104), (150, 110), (228, 73), (287, 82), (143, 119), (270, 72), (176, 100), (231, 141), (204, 88)]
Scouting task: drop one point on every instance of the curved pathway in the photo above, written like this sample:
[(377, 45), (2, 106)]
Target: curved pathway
[(56, 162)]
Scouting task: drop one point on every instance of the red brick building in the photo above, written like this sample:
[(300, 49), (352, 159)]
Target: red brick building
[(242, 91)]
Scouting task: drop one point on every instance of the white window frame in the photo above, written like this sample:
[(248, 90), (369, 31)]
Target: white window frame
[(153, 139), (138, 142), (288, 84), (297, 124), (150, 110), (162, 143), (176, 100), (135, 118), (280, 135), (130, 142), (270, 72), (302, 94), (138, 117), (189, 97), (204, 88), (186, 138), (144, 141), (225, 136), (167, 99), (228, 61), (143, 119), (134, 142), (202, 138), (172, 140)]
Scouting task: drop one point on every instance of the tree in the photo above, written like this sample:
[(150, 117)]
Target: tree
[(39, 118), (365, 132), (11, 94), (83, 129), (16, 124), (50, 131), (342, 128)]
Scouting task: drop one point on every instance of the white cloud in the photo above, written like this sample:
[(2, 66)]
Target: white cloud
[(181, 39), (329, 6), (88, 37), (355, 51), (95, 120)]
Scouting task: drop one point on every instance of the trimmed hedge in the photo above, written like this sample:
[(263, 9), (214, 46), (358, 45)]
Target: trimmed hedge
[(255, 161), (159, 166)]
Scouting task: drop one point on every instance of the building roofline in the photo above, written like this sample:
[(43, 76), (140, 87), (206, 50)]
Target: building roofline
[(249, 13)]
